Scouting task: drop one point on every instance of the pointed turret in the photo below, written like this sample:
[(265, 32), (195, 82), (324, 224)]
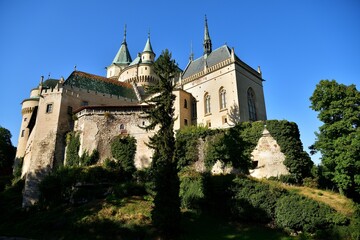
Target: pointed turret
[(148, 54), (207, 41), (123, 56)]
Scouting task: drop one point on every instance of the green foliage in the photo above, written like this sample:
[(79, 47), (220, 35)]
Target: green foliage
[(72, 150), (254, 200), (192, 189), (187, 141), (338, 138), (298, 213), (88, 160), (164, 164), (18, 167), (287, 136), (123, 149), (229, 147), (7, 151), (67, 183)]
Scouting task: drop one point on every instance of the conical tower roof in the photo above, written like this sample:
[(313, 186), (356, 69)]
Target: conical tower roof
[(123, 55), (148, 47)]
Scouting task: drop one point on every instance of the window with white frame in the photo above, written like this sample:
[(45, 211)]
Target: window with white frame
[(207, 103)]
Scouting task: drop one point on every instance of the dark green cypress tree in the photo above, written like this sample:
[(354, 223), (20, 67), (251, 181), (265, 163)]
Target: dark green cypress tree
[(166, 211)]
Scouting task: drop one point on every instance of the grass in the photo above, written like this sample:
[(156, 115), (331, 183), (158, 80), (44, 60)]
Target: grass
[(336, 201)]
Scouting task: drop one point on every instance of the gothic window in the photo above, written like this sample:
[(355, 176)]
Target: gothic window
[(251, 104), (222, 97), (193, 109), (49, 108), (207, 104)]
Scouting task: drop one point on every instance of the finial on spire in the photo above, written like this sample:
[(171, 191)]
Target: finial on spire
[(207, 41), (49, 75), (75, 68), (124, 41), (191, 58), (149, 33)]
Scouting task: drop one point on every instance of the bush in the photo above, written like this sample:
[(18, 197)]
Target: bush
[(191, 189), (67, 183), (255, 200), (123, 149), (299, 213)]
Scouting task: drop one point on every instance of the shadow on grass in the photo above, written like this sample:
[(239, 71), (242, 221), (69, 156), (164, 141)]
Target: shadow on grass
[(210, 227)]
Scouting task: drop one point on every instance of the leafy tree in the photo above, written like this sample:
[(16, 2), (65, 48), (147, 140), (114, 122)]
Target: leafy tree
[(7, 150), (123, 150), (338, 138), (166, 211)]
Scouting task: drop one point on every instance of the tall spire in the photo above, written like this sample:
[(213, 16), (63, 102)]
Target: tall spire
[(207, 41), (123, 55)]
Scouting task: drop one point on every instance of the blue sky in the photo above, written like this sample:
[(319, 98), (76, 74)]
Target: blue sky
[(296, 43)]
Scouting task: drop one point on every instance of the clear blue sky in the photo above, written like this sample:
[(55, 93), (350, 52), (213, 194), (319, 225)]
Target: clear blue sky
[(296, 43)]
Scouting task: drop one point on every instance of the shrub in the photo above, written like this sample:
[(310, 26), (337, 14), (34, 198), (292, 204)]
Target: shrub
[(87, 160), (123, 149), (191, 189), (298, 213), (255, 200), (72, 150)]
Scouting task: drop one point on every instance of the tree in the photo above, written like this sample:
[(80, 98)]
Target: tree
[(166, 211), (123, 149), (7, 151), (338, 138)]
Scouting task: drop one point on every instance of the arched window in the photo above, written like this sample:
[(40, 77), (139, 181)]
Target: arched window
[(207, 103), (122, 127), (222, 97), (251, 104)]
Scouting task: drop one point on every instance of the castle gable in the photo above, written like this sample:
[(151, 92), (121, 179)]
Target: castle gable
[(100, 84)]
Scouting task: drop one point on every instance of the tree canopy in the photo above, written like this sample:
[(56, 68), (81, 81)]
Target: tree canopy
[(338, 138), (7, 150)]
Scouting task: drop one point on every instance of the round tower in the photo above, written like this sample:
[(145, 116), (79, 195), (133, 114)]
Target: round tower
[(28, 112)]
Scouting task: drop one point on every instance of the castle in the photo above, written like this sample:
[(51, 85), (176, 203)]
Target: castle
[(206, 90)]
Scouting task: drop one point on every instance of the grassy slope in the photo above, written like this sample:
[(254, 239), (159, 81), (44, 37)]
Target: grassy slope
[(336, 201)]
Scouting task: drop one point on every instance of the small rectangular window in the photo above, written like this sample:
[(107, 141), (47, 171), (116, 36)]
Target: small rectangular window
[(25, 119), (22, 133), (185, 122), (70, 110), (49, 108), (84, 103), (208, 124)]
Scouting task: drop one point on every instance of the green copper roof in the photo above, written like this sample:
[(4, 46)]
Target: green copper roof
[(50, 83), (123, 55), (100, 84), (148, 47)]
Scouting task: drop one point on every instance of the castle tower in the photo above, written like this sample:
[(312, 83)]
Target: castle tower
[(207, 41), (28, 111), (148, 55), (121, 60)]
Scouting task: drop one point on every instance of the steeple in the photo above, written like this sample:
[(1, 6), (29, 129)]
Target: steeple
[(207, 41), (148, 54), (123, 55), (148, 47)]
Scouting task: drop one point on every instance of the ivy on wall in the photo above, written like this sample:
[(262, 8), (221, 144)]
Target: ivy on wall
[(72, 152), (234, 145)]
